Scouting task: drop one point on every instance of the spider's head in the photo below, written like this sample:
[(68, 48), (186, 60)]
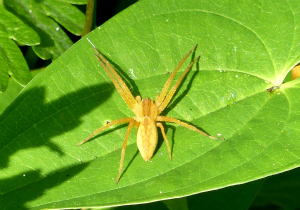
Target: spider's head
[(146, 108)]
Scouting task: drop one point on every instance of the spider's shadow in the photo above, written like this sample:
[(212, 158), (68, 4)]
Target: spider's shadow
[(108, 131), (130, 162), (172, 142), (161, 140), (159, 144)]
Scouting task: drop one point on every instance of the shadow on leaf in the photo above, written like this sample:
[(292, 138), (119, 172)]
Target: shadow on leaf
[(31, 121), (21, 197)]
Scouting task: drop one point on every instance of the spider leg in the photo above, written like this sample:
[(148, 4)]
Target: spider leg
[(193, 128), (168, 83), (132, 123), (174, 88), (119, 121), (119, 83), (165, 137)]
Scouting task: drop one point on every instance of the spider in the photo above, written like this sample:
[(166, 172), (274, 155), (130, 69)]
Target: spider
[(147, 112)]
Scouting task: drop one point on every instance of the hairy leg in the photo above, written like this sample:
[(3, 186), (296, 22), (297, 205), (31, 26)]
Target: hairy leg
[(165, 137), (168, 83), (174, 88), (193, 128), (119, 121), (123, 89), (132, 122)]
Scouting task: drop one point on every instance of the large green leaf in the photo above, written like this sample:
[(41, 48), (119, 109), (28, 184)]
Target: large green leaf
[(245, 49)]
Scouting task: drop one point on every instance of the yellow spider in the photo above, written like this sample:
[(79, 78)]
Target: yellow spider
[(147, 112)]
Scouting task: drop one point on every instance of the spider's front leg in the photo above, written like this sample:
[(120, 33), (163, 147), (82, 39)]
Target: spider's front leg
[(160, 98), (117, 81)]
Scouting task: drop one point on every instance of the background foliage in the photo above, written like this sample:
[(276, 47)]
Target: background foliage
[(246, 51)]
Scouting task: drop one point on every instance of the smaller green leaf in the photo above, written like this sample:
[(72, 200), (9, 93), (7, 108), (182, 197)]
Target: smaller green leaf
[(177, 204), (12, 62), (11, 93), (66, 14), (54, 41), (17, 30), (281, 190), (233, 197)]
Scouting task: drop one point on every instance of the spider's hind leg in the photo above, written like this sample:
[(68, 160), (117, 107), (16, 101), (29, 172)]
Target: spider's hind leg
[(193, 128), (132, 123), (165, 137)]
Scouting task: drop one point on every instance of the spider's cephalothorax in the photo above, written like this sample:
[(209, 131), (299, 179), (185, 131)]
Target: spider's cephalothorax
[(147, 113)]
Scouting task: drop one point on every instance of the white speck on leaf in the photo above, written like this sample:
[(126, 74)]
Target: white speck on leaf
[(232, 95), (131, 71)]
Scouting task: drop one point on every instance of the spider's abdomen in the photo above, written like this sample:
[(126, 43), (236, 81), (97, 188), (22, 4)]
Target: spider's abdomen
[(147, 137)]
